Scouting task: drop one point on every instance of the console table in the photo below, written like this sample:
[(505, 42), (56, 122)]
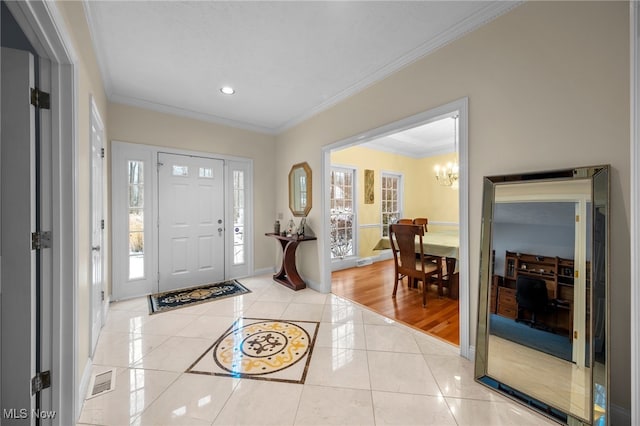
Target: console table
[(288, 274)]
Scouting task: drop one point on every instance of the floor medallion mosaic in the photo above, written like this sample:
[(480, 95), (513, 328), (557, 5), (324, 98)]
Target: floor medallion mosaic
[(265, 349)]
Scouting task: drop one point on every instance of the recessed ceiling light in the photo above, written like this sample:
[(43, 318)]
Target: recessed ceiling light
[(228, 90)]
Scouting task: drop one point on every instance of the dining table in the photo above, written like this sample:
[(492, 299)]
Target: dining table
[(440, 243)]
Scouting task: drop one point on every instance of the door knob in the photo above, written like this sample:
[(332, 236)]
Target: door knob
[(219, 229), (95, 248)]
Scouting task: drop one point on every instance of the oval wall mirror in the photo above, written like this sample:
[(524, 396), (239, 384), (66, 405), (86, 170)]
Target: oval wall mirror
[(300, 189), (543, 309)]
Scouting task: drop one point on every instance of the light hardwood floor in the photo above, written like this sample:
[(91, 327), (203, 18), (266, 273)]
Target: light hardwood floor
[(372, 285), (545, 377)]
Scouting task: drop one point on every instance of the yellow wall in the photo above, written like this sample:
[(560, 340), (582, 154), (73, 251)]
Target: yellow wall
[(439, 202), (548, 88), (422, 196), (89, 84)]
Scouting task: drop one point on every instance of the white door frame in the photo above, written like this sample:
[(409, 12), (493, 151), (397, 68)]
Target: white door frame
[(231, 269), (121, 152), (45, 29), (634, 56), (461, 106), (96, 137)]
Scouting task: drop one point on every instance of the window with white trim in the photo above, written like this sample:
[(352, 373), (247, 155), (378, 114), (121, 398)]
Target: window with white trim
[(342, 212), (136, 219), (390, 200), (238, 217)]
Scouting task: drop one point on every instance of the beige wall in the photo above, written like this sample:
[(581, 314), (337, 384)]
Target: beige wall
[(422, 196), (548, 88), (89, 84), (137, 125)]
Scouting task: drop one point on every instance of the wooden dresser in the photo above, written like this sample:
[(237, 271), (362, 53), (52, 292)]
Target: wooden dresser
[(507, 306), (557, 273)]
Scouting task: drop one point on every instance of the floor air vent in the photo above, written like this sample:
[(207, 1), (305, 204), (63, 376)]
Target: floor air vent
[(102, 383)]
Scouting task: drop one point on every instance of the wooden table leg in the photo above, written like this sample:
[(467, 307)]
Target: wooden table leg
[(453, 277), (288, 274)]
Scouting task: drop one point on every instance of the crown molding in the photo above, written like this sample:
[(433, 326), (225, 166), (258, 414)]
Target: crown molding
[(484, 16), (168, 109), (467, 25), (99, 53), (424, 154)]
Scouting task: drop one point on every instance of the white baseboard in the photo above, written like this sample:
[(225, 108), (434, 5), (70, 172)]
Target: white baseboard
[(314, 285), (385, 255), (472, 353), (352, 262), (264, 271), (84, 387), (105, 309)]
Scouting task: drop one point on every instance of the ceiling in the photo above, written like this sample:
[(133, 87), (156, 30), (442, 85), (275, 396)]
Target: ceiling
[(287, 60), (434, 138), (536, 213)]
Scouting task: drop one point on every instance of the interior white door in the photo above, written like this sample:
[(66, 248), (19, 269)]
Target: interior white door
[(18, 222), (190, 221), (97, 225)]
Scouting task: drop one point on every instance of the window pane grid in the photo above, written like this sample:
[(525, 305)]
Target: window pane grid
[(341, 215), (389, 202), (238, 217), (136, 219)]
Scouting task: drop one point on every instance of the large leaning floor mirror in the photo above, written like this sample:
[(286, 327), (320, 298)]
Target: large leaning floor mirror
[(543, 306)]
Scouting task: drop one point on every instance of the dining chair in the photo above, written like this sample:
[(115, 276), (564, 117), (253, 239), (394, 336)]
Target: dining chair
[(449, 278), (421, 221), (405, 221), (410, 261)]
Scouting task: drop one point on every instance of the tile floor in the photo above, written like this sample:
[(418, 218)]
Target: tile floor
[(365, 369)]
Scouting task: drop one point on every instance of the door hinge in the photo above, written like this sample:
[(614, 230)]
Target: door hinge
[(40, 381), (102, 295), (575, 334), (576, 273), (101, 223), (40, 240), (40, 99), (577, 218), (101, 152)]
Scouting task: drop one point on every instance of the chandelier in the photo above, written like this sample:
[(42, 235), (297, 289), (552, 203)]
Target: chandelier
[(448, 175)]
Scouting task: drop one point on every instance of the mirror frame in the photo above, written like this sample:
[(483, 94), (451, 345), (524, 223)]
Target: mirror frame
[(292, 187), (600, 386)]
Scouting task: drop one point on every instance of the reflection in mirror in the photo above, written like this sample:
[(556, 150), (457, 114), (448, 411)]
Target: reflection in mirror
[(542, 311), (300, 189)]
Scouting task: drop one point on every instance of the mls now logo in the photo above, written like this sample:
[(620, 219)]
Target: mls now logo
[(23, 413)]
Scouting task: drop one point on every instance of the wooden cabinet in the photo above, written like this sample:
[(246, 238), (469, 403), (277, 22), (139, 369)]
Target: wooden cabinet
[(507, 305), (496, 282), (558, 274)]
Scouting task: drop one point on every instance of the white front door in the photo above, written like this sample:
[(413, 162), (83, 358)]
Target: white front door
[(190, 221), (18, 222), (97, 225)]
